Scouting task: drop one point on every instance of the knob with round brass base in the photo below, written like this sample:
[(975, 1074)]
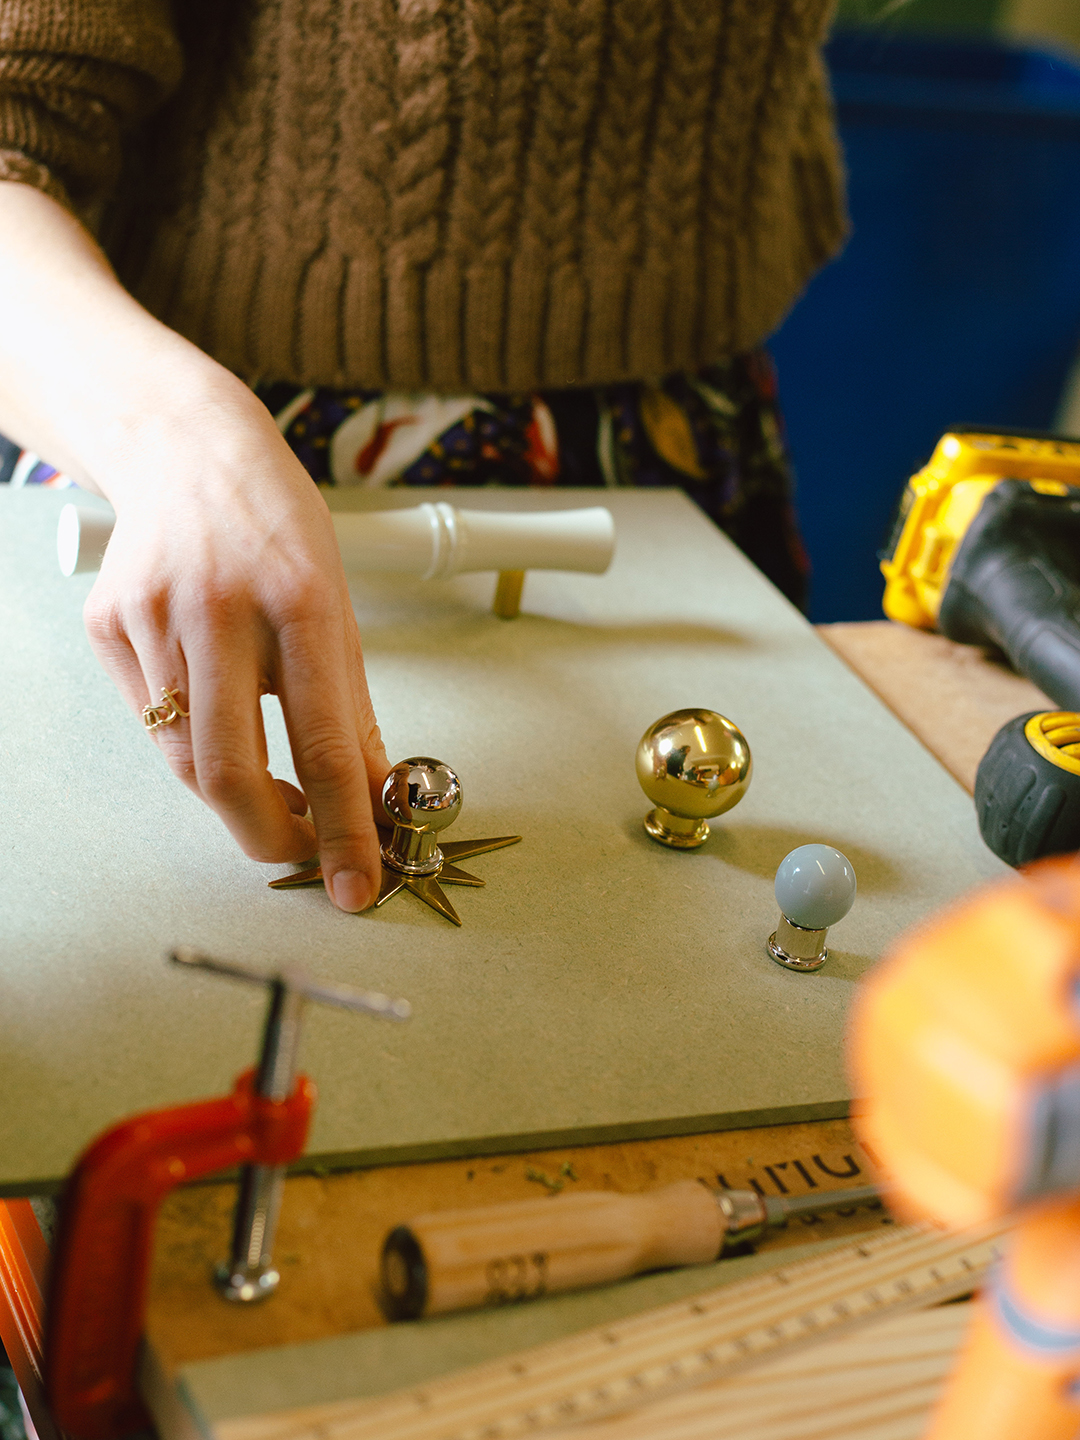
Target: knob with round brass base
[(693, 765)]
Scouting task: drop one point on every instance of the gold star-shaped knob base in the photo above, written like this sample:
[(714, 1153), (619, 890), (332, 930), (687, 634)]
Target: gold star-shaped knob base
[(428, 887)]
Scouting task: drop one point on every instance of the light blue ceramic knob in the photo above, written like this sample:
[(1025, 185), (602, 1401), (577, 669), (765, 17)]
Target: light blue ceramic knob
[(815, 887)]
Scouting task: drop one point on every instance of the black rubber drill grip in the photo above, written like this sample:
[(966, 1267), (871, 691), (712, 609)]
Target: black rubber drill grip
[(1027, 806), (1014, 582)]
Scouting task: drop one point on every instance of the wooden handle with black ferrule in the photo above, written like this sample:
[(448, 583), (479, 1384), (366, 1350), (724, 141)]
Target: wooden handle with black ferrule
[(462, 1259)]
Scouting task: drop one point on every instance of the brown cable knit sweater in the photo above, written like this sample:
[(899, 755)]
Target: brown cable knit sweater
[(438, 194)]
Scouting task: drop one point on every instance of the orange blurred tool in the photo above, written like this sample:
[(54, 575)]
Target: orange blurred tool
[(967, 1043), (100, 1265)]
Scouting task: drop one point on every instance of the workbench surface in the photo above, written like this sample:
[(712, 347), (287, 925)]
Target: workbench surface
[(601, 986)]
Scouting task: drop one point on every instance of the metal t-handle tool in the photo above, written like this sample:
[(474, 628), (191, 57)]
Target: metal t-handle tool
[(249, 1274), (101, 1259)]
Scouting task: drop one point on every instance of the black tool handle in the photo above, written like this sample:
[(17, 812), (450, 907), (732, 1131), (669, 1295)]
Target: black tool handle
[(1027, 806), (1014, 582)]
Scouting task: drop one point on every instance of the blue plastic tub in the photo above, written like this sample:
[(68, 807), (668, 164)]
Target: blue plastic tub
[(958, 296)]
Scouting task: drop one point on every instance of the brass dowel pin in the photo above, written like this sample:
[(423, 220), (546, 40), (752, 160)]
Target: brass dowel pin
[(508, 587)]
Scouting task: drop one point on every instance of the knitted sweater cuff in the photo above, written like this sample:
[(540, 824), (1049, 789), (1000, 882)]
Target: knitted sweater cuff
[(75, 77), (26, 171)]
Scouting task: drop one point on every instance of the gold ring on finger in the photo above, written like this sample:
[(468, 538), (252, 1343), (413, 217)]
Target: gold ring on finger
[(167, 710)]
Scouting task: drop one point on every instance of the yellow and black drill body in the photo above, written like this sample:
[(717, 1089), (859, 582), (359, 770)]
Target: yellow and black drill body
[(986, 549)]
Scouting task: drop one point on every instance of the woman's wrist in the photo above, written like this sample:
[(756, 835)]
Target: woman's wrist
[(184, 407)]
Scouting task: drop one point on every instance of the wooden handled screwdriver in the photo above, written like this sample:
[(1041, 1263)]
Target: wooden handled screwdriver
[(498, 1254)]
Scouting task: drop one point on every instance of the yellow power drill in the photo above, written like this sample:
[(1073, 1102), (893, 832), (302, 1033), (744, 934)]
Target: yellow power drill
[(986, 549)]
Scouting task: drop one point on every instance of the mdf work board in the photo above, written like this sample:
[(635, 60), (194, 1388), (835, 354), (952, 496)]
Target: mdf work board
[(601, 986)]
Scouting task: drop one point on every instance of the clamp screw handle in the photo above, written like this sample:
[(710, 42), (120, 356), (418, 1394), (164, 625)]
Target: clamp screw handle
[(249, 1273)]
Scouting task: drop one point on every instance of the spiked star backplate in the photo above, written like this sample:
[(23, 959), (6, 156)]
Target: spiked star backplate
[(427, 887)]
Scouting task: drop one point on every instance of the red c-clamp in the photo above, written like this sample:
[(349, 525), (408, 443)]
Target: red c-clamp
[(101, 1259)]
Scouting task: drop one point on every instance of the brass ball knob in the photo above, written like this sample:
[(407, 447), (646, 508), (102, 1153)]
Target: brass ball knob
[(693, 765)]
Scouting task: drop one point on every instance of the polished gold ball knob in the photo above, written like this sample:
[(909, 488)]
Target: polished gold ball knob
[(693, 765)]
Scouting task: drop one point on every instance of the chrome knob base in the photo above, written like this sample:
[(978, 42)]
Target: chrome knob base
[(797, 948)]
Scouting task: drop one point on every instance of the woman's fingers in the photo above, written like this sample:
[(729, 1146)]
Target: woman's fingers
[(295, 799), (218, 749), (108, 636), (322, 692), (142, 685), (369, 735), (229, 752)]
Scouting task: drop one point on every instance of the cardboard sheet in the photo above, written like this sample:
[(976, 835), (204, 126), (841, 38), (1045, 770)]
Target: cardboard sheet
[(600, 987)]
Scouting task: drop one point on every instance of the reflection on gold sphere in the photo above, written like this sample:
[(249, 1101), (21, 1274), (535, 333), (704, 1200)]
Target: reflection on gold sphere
[(693, 765)]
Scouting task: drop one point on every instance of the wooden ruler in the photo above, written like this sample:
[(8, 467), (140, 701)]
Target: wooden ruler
[(637, 1361), (877, 1383)]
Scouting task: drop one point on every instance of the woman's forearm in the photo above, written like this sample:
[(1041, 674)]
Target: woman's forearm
[(88, 379)]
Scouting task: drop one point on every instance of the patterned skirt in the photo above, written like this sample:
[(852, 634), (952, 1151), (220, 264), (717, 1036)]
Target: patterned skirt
[(717, 434)]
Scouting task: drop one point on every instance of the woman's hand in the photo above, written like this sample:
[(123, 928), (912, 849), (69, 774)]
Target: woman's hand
[(222, 580)]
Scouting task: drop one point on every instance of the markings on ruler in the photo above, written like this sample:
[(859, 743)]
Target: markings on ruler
[(632, 1362)]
